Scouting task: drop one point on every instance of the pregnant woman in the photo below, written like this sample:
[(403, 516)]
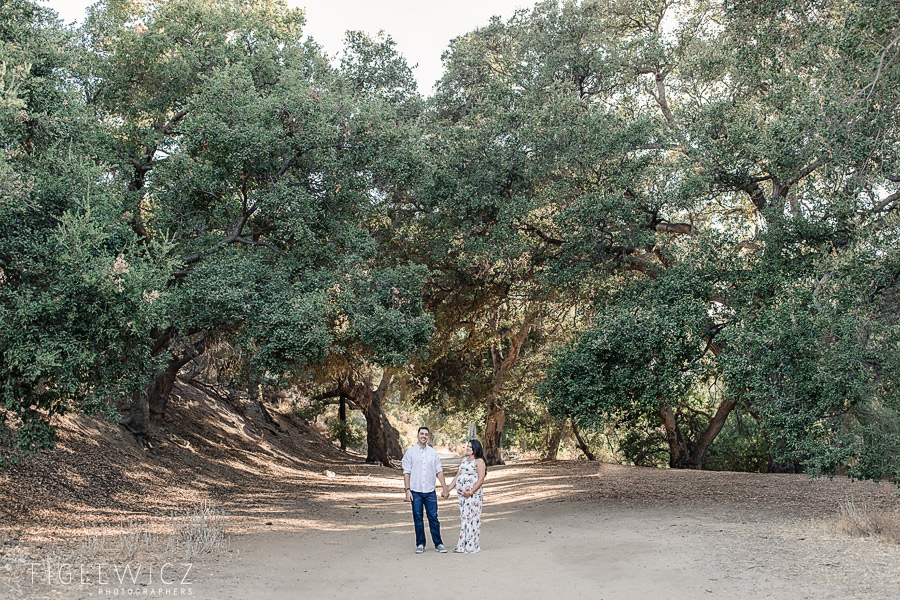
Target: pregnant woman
[(468, 482)]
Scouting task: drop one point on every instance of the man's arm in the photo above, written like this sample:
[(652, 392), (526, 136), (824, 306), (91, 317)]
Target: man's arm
[(439, 470), (407, 467), (446, 492)]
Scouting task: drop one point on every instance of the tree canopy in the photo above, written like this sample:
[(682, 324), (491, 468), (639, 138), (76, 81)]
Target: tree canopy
[(646, 215)]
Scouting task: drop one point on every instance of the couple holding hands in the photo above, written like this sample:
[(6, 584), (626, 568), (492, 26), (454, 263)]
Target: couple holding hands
[(421, 465)]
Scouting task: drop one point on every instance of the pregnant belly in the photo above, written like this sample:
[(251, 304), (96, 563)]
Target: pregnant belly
[(464, 484)]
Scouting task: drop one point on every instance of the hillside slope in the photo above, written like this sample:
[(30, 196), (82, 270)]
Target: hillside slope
[(210, 445)]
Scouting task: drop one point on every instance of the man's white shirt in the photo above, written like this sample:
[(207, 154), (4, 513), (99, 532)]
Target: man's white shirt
[(423, 465)]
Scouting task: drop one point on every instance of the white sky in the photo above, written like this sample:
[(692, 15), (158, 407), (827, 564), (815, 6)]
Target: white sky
[(421, 28)]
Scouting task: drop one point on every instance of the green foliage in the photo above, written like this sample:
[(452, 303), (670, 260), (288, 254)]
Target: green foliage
[(271, 161), (758, 129), (78, 295), (526, 425), (381, 312), (373, 68), (644, 350), (181, 169), (812, 363), (741, 446), (352, 431), (644, 447), (75, 325), (670, 194)]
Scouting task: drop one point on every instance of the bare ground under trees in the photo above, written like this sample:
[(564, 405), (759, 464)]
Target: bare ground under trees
[(304, 520)]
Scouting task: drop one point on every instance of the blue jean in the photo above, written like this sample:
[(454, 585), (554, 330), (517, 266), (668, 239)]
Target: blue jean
[(429, 500)]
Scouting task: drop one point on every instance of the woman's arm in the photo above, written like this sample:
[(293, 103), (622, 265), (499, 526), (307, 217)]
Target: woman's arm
[(451, 486), (482, 473)]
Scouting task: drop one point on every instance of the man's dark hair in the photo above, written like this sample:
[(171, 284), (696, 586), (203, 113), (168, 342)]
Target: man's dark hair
[(421, 428)]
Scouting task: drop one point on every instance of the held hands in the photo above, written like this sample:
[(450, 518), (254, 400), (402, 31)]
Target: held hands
[(465, 494), (444, 494)]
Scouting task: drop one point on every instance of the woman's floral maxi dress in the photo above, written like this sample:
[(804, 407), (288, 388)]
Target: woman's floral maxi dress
[(469, 508)]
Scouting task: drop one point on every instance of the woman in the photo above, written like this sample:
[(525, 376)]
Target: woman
[(468, 482)]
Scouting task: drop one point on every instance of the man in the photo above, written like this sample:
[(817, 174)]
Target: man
[(421, 464)]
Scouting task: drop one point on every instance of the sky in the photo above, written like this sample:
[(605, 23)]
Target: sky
[(421, 28)]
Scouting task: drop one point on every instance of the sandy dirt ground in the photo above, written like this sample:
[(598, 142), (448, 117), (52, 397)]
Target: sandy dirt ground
[(101, 516), (570, 529), (575, 530)]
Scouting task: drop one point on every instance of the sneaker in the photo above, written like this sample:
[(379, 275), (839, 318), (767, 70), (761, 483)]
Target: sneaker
[(420, 549), (440, 548)]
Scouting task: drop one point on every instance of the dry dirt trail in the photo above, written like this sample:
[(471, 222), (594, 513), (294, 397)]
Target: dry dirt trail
[(573, 530), (567, 529)]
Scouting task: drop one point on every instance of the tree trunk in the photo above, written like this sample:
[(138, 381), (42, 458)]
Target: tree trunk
[(161, 388), (715, 426), (255, 394), (581, 443), (382, 439), (138, 420), (493, 431), (554, 437), (342, 417), (151, 403), (679, 454), (502, 364), (684, 454), (779, 466)]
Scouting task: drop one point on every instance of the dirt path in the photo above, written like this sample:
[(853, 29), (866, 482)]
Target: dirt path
[(573, 530), (577, 531)]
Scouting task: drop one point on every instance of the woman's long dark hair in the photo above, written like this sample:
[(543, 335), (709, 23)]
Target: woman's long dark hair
[(477, 450)]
